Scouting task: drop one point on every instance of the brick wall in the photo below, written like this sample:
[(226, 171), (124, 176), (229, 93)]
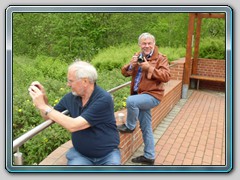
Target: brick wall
[(206, 67), (213, 68), (176, 69)]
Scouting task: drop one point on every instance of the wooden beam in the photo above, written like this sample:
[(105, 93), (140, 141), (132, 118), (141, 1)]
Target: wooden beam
[(189, 49), (196, 46), (211, 15)]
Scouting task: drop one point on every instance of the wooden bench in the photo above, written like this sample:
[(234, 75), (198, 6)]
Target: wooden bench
[(206, 78)]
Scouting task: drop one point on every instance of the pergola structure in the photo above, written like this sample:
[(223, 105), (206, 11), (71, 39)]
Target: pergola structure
[(194, 18)]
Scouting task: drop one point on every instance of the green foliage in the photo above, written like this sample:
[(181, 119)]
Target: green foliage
[(170, 29), (25, 115), (114, 57), (109, 79), (213, 27), (51, 67), (44, 143), (82, 35), (212, 48), (173, 53)]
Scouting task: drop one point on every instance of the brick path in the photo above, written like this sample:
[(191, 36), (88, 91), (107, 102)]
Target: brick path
[(193, 133)]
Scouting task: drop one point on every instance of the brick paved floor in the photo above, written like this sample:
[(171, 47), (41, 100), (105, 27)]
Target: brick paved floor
[(193, 133)]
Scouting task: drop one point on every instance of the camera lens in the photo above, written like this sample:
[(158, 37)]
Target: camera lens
[(140, 58)]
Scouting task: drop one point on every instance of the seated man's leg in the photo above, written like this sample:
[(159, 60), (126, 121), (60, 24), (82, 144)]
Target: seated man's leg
[(113, 158), (75, 158), (136, 103)]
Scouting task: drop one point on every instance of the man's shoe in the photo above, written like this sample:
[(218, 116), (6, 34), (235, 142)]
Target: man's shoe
[(123, 128), (142, 159)]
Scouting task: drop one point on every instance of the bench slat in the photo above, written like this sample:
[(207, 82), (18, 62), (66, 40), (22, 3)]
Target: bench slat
[(207, 78)]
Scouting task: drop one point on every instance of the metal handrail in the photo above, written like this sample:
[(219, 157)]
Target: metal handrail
[(28, 135), (119, 87)]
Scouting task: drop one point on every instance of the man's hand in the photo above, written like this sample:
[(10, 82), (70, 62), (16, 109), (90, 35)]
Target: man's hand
[(133, 61), (144, 65), (37, 92), (39, 86)]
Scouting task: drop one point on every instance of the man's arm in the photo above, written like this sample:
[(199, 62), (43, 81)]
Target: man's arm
[(69, 123), (126, 71)]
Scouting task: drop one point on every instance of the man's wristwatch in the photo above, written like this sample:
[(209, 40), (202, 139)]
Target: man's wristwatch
[(48, 110)]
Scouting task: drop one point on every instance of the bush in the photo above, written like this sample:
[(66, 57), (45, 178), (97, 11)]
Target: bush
[(25, 115), (39, 147), (114, 57), (51, 67), (212, 48), (173, 53), (110, 79)]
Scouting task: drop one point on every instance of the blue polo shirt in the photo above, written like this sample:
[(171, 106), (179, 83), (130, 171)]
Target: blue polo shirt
[(102, 137)]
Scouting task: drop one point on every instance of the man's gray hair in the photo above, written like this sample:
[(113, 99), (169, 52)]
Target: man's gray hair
[(84, 70), (146, 36)]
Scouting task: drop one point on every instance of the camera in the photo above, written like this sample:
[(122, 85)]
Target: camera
[(140, 58)]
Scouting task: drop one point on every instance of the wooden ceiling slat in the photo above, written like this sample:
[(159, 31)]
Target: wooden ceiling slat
[(210, 15)]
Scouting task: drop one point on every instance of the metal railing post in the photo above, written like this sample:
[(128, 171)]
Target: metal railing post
[(18, 158)]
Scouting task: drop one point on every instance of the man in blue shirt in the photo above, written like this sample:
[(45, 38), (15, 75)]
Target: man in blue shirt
[(92, 122)]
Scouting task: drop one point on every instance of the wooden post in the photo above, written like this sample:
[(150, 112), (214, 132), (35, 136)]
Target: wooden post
[(188, 56), (196, 46)]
